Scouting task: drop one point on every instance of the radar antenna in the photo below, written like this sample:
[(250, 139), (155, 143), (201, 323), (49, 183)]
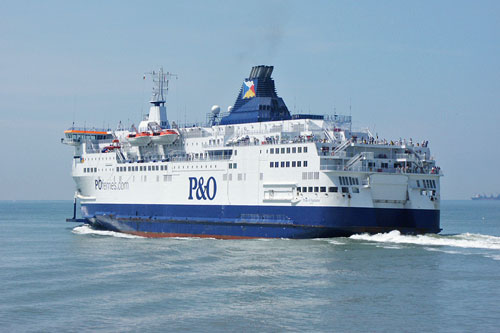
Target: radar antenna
[(160, 87)]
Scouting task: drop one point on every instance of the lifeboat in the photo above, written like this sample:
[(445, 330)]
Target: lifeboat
[(164, 137), (139, 139)]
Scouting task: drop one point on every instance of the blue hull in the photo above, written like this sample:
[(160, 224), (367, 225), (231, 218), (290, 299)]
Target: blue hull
[(257, 221)]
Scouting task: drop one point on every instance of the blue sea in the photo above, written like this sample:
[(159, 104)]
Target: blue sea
[(62, 277)]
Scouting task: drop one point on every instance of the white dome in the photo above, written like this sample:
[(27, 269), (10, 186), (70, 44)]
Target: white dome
[(215, 109)]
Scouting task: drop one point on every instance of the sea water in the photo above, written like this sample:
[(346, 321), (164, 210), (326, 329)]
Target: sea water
[(57, 276)]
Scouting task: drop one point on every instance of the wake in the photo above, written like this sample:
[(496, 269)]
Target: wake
[(88, 230), (466, 240)]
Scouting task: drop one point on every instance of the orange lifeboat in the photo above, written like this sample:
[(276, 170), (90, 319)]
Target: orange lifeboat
[(139, 139), (165, 137)]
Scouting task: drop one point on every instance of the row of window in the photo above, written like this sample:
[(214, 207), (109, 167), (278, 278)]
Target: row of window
[(322, 189), (241, 177), (310, 175), (287, 164), (141, 168), (427, 183), (348, 181), (88, 170), (288, 150)]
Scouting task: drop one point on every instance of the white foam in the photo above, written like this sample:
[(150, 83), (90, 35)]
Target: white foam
[(88, 230), (466, 240)]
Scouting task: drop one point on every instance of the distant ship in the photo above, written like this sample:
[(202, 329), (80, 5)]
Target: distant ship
[(485, 197), (256, 171)]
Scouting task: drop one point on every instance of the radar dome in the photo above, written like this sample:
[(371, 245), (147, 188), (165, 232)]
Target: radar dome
[(215, 109)]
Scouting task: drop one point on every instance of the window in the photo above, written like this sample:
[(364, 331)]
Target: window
[(333, 189), (355, 190), (304, 177), (272, 150), (299, 149), (305, 149), (316, 188), (304, 189), (288, 150), (310, 189), (294, 150), (345, 189), (230, 165), (276, 164), (305, 164), (277, 150), (322, 189), (418, 183), (294, 164), (282, 150), (271, 164), (235, 165), (149, 167), (298, 189), (287, 164), (299, 163), (282, 164)]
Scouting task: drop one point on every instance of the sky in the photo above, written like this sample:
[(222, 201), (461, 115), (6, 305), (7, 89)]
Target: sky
[(426, 70)]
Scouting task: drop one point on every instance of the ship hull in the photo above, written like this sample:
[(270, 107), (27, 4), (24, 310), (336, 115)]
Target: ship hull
[(223, 221)]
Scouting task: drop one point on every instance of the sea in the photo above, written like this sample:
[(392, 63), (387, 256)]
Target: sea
[(64, 277)]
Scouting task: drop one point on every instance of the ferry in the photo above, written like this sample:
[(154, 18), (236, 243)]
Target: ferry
[(255, 171)]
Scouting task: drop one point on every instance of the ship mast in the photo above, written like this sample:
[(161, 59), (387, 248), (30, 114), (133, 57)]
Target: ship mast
[(160, 85)]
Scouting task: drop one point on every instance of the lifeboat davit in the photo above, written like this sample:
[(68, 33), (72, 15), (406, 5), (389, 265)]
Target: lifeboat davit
[(139, 139), (165, 137)]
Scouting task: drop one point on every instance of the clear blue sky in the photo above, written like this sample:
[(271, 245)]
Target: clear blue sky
[(427, 70)]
